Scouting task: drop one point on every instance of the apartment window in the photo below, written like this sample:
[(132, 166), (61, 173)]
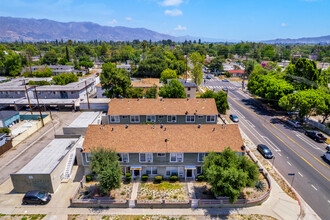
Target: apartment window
[(171, 118), (160, 116), (125, 116), (123, 157), (170, 171), (199, 170), (188, 95), (145, 157), (151, 118), (151, 171), (161, 155), (188, 88), (88, 157), (135, 118), (210, 118), (114, 119), (200, 116), (190, 118), (201, 156), (72, 92), (176, 157), (54, 92)]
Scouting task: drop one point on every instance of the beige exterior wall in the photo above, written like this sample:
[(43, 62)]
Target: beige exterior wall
[(191, 93)]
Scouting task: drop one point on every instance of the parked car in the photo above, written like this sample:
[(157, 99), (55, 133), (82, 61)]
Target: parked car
[(293, 113), (264, 150), (326, 155), (225, 89), (208, 77), (316, 136), (36, 197), (327, 147), (225, 80), (233, 117), (294, 123)]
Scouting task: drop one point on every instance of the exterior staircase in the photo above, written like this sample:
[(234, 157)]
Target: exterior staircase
[(68, 167)]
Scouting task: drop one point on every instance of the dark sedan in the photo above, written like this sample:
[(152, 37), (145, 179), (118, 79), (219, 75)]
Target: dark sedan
[(264, 150), (316, 136), (36, 197)]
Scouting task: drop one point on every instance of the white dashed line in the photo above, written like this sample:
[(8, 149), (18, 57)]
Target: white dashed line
[(314, 187), (280, 154), (289, 163), (300, 174), (271, 144), (328, 201), (250, 123)]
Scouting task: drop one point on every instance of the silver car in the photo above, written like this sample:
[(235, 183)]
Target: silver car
[(234, 118)]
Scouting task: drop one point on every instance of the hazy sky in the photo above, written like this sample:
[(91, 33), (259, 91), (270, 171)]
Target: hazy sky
[(222, 19)]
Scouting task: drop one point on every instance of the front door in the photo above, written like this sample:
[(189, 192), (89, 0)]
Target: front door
[(189, 173), (136, 173)]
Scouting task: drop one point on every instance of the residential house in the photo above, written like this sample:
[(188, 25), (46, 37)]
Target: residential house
[(56, 69), (162, 111), (99, 91), (236, 73), (323, 65), (8, 118), (189, 87), (164, 150)]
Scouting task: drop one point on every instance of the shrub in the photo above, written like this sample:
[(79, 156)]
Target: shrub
[(5, 130), (79, 74), (128, 177), (260, 186), (228, 74), (150, 197), (122, 193), (89, 177), (200, 178), (174, 178), (145, 177), (158, 179)]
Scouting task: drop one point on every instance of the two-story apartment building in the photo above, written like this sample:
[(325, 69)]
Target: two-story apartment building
[(56, 69), (162, 111), (164, 150)]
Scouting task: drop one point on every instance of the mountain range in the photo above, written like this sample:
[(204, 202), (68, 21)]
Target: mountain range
[(304, 40)]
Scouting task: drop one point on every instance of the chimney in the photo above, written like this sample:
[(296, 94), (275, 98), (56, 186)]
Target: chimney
[(199, 125), (126, 125)]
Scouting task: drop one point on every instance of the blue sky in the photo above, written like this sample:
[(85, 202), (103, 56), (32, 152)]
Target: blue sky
[(251, 20)]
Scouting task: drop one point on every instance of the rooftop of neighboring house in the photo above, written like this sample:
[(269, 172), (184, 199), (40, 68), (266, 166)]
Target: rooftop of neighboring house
[(163, 139), (75, 86), (185, 83), (85, 119), (7, 114), (54, 66), (145, 82), (162, 107), (235, 71)]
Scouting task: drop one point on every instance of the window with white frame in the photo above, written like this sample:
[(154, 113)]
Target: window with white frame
[(161, 155), (151, 170), (88, 157), (135, 118), (151, 118), (170, 171), (125, 116), (199, 170), (114, 119), (123, 157), (160, 116), (200, 116), (176, 157), (201, 156), (145, 157), (190, 118), (210, 118), (171, 118)]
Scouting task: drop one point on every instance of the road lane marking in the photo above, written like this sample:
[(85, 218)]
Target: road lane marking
[(270, 143), (314, 187), (280, 154), (300, 174), (289, 163), (250, 123), (239, 113), (289, 139), (308, 142)]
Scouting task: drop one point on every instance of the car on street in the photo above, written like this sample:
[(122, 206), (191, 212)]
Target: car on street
[(233, 117), (36, 197), (294, 123), (225, 80), (316, 136), (264, 150), (327, 147), (293, 113), (326, 155), (225, 89), (208, 77)]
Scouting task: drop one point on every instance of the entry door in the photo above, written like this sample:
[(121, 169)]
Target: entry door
[(189, 173), (136, 173)]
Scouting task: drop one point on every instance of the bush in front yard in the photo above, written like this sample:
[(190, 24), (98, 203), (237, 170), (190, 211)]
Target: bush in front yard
[(89, 178), (128, 177), (200, 178), (145, 177), (158, 179), (174, 178)]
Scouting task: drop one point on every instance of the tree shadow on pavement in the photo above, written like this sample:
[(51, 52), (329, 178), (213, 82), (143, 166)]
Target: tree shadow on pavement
[(256, 107)]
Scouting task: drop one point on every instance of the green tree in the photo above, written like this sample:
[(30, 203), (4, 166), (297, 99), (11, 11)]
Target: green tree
[(151, 67), (174, 89), (50, 58), (167, 74), (115, 81), (105, 163), (13, 64), (136, 92), (63, 61), (64, 78), (228, 173), (151, 93), (197, 61), (220, 100), (216, 65)]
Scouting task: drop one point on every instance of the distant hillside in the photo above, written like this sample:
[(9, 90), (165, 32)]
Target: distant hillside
[(12, 29), (304, 40)]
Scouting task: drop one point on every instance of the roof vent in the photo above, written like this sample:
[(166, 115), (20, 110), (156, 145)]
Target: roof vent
[(161, 126), (166, 140), (161, 99), (112, 129), (199, 125), (186, 113), (153, 127), (138, 99), (187, 99), (213, 129), (126, 125), (223, 126), (165, 129), (102, 127)]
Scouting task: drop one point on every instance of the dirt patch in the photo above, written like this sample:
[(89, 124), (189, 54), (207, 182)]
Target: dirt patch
[(203, 190), (251, 217), (91, 190), (173, 192), (22, 217)]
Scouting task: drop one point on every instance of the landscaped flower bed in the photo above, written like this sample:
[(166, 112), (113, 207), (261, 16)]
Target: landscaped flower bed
[(171, 192)]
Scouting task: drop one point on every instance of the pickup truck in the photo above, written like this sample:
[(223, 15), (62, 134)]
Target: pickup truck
[(316, 136)]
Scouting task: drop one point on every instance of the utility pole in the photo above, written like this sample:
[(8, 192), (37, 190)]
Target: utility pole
[(87, 95), (27, 95), (42, 120), (246, 58), (186, 67)]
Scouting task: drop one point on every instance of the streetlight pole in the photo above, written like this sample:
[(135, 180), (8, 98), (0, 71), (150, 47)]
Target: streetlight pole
[(273, 161), (292, 174)]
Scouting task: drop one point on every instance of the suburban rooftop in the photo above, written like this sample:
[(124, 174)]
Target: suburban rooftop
[(162, 107), (163, 139)]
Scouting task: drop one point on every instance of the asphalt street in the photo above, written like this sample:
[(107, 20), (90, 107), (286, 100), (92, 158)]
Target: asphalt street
[(294, 152)]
